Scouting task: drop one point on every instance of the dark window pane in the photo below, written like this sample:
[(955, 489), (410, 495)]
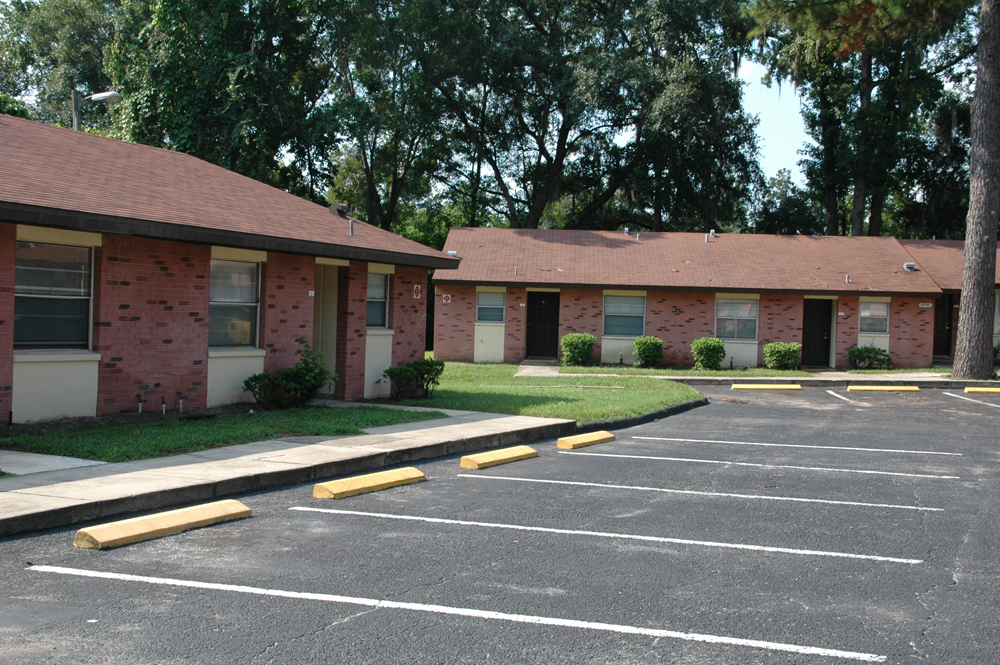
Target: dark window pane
[(376, 314), (490, 315), (51, 323), (233, 281), (746, 328), (232, 325), (628, 326), (871, 324), (725, 328), (51, 270)]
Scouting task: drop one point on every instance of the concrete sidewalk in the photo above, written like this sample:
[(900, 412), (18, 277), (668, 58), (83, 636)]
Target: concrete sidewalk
[(57, 498)]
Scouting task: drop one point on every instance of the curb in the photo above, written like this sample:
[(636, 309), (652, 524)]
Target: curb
[(622, 423), (190, 494)]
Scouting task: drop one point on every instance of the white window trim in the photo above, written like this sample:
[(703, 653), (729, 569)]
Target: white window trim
[(888, 315), (604, 309), (503, 308), (90, 298), (738, 296), (255, 343)]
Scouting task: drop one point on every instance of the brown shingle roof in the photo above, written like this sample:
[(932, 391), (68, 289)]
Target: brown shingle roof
[(944, 260), (57, 177), (748, 262)]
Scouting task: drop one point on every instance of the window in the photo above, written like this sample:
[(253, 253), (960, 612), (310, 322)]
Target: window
[(874, 317), (489, 307), (232, 308), (51, 296), (378, 300), (624, 315), (736, 319)]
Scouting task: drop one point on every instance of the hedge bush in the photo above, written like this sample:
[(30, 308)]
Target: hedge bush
[(709, 352), (996, 355), (648, 351), (868, 357), (577, 348), (782, 355), (292, 386), (416, 379)]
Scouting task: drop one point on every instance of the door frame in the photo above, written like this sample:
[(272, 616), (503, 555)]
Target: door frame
[(833, 300), (527, 320)]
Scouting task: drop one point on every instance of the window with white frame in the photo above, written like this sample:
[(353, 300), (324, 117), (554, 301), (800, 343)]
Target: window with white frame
[(489, 307), (736, 319), (233, 299), (624, 315), (52, 286), (874, 317), (378, 301)]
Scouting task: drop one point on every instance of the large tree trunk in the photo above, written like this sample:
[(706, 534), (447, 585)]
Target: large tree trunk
[(830, 135), (974, 347), (861, 153), (875, 221)]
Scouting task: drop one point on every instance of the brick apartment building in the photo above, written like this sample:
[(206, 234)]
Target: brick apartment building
[(131, 273), (517, 292)]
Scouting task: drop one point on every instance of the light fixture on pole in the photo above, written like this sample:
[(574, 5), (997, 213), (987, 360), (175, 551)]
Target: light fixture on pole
[(110, 98)]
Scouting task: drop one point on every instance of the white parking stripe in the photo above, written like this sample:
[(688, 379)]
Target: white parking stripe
[(969, 399), (697, 493), (602, 534), (840, 397), (467, 612), (769, 466), (797, 445)]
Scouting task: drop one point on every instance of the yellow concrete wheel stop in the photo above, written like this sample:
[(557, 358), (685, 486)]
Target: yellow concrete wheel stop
[(494, 457), (370, 482), (766, 386), (581, 440), (883, 389), (982, 390), (138, 529)]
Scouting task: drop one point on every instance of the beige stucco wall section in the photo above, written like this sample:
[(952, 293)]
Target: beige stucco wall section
[(740, 353), (228, 368), (378, 358), (615, 348), (489, 340), (54, 384)]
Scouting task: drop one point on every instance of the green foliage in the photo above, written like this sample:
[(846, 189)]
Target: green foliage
[(648, 351), (709, 352), (14, 107), (292, 386), (782, 355), (996, 355), (868, 357), (416, 379), (577, 348)]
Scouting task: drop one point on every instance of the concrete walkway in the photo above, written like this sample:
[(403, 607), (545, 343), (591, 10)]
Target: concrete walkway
[(55, 498), (21, 464)]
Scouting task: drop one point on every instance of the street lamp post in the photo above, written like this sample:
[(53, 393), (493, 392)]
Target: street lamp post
[(109, 98)]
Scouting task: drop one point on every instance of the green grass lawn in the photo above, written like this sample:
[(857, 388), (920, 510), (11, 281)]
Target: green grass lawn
[(585, 399), (666, 371), (121, 443), (4, 474)]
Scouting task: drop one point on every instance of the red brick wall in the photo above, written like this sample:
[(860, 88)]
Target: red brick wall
[(582, 311), (408, 315), (454, 323), (151, 322), (8, 235), (352, 299), (911, 332), (679, 318), (286, 307), (515, 329), (779, 319), (847, 327)]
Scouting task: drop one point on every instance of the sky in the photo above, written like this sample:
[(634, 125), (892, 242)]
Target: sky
[(781, 133)]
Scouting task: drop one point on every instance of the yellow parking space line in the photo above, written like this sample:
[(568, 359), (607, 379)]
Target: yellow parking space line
[(138, 529), (982, 390), (581, 440), (369, 482), (883, 389), (494, 457), (766, 386)]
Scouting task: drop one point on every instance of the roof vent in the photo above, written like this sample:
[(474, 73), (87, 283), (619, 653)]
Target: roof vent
[(712, 233), (626, 230), (910, 266), (339, 209), (452, 252)]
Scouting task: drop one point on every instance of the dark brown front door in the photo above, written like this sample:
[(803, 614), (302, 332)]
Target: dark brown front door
[(943, 312), (543, 325), (816, 319)]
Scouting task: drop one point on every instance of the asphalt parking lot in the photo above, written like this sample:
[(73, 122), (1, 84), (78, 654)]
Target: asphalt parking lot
[(818, 526)]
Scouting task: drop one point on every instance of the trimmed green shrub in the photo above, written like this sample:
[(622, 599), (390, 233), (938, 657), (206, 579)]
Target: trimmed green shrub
[(709, 352), (648, 351), (868, 357), (415, 379), (996, 355), (292, 386), (577, 348), (782, 355)]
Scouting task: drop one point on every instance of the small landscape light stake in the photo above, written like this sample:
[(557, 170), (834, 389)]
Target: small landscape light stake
[(141, 401), (163, 403), (180, 399)]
